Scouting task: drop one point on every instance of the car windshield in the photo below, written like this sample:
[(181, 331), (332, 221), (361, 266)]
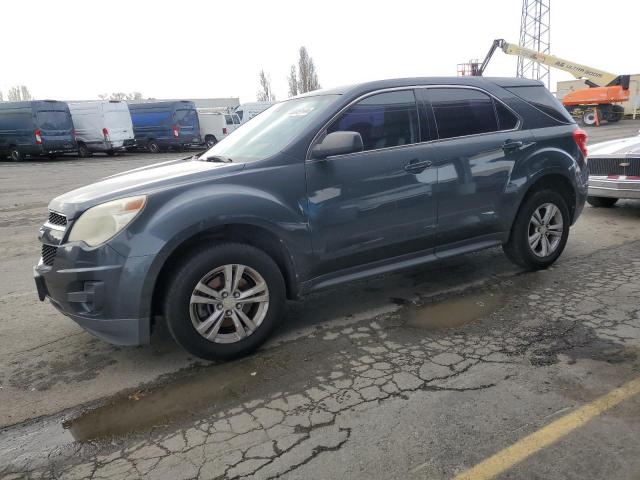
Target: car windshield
[(272, 130)]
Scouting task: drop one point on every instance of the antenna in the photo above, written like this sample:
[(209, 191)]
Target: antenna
[(534, 34)]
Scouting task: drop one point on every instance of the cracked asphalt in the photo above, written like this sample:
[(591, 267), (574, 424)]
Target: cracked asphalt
[(422, 374)]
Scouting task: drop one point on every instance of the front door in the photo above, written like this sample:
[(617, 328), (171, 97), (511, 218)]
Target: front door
[(377, 203)]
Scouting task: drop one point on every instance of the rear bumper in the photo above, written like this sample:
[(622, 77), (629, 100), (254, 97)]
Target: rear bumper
[(100, 290), (614, 188)]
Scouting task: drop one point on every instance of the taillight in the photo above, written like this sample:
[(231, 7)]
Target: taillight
[(580, 137), (36, 132), (105, 133), (224, 130), (176, 132)]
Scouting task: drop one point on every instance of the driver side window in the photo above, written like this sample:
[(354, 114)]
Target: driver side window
[(384, 120)]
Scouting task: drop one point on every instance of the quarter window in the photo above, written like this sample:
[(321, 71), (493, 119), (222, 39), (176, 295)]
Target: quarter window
[(462, 111), (384, 120)]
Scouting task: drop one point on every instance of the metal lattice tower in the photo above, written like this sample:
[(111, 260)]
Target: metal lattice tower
[(534, 34)]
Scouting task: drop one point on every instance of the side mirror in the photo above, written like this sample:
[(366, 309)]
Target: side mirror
[(338, 143)]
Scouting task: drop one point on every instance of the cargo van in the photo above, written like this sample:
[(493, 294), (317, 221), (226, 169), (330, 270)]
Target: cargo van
[(159, 126), (247, 111), (41, 127), (216, 124), (102, 126)]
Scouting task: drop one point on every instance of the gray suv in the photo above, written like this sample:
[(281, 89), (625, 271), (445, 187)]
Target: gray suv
[(325, 188)]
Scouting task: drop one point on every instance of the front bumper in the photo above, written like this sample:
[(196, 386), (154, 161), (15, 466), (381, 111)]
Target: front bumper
[(99, 289), (614, 188)]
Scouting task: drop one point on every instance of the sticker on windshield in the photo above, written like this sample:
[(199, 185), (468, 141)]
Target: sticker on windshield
[(301, 112)]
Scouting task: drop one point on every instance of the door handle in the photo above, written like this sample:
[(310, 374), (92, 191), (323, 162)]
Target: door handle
[(512, 145), (416, 166)]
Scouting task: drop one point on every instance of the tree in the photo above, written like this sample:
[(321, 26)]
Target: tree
[(292, 79), (121, 96), (307, 76), (19, 93), (265, 94), (1, 97)]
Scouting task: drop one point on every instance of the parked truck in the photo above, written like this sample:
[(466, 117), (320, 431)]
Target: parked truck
[(102, 126), (159, 126), (216, 124), (34, 128)]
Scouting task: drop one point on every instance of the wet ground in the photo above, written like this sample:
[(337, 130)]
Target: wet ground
[(417, 375)]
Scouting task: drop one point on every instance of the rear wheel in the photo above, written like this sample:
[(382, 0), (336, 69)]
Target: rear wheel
[(15, 155), (601, 202), (540, 231), (224, 301), (83, 151), (153, 146), (210, 140), (589, 118)]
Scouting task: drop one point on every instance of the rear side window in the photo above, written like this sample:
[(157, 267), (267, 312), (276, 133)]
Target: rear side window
[(15, 121), (228, 119), (462, 111), (541, 98), (383, 120), (506, 118)]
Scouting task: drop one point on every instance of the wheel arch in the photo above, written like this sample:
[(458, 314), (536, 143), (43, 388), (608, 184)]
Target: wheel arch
[(255, 235)]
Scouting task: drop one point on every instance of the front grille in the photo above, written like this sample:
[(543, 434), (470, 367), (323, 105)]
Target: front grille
[(48, 254), (612, 166), (57, 219)]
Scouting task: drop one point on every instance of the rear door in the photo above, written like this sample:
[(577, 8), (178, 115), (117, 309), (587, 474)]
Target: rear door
[(186, 119), (117, 121), (55, 125), (367, 206), (479, 141)]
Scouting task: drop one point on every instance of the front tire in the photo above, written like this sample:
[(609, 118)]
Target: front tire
[(601, 202), (224, 301), (540, 231)]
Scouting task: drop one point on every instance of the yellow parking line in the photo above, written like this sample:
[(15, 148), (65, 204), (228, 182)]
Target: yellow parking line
[(516, 453)]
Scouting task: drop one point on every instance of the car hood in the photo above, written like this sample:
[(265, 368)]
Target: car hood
[(616, 148), (160, 176)]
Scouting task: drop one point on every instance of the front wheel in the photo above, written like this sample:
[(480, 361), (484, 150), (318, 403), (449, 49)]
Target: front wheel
[(540, 231), (224, 301), (601, 202)]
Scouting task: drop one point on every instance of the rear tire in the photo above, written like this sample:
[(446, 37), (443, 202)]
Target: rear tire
[(210, 141), (530, 221), (153, 146), (601, 202), (184, 309), (15, 155), (83, 151), (589, 118)]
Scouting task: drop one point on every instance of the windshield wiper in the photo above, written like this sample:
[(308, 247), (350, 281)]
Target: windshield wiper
[(216, 158)]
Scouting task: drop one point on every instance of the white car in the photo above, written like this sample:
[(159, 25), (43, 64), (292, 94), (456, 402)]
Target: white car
[(614, 171), (216, 124), (102, 126)]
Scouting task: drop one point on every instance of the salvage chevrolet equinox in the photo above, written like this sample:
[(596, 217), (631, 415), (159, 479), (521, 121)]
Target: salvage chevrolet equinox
[(325, 188)]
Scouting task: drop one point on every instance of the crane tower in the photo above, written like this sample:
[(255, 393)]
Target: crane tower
[(535, 35)]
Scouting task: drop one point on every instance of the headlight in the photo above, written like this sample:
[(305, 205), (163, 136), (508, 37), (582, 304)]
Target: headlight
[(100, 223)]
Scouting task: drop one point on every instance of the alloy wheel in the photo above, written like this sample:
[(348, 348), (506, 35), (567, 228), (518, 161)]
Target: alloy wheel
[(229, 303), (545, 230)]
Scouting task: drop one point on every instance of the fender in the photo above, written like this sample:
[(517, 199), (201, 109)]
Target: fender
[(541, 163)]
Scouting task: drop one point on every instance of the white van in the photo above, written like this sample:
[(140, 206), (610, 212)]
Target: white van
[(215, 124), (247, 111), (102, 126)]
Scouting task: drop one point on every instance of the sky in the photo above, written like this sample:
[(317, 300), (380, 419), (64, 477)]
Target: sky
[(76, 50)]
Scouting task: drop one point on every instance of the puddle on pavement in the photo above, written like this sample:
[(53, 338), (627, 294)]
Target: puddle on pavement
[(191, 393), (452, 312)]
